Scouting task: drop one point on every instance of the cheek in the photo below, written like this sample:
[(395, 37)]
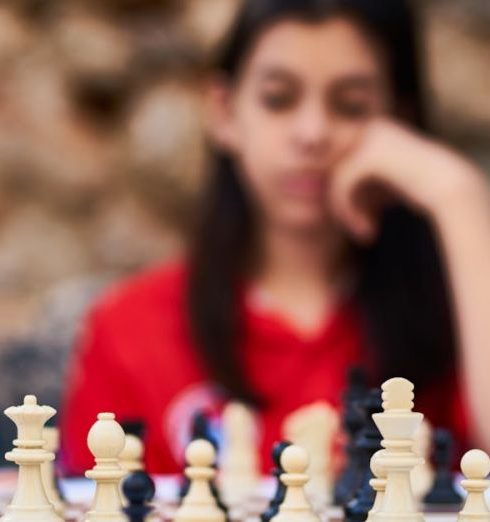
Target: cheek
[(256, 172), (259, 147), (258, 135), (347, 136), (259, 142)]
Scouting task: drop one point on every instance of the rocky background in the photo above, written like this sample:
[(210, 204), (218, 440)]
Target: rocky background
[(102, 153)]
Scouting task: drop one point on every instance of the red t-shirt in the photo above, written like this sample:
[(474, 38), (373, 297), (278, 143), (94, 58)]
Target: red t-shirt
[(135, 358)]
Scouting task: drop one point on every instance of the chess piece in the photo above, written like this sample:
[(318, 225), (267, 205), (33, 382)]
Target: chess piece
[(475, 466), (131, 457), (138, 489), (357, 386), (134, 427), (51, 438), (278, 497), (422, 476), (352, 422), (378, 483), (295, 508), (313, 427), (186, 483), (443, 490), (199, 504), (106, 441), (398, 425), (239, 474), (368, 442), (30, 501), (200, 429), (217, 497)]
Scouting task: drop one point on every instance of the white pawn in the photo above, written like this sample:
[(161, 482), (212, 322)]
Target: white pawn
[(239, 468), (199, 504), (51, 437), (378, 483), (475, 466), (313, 427), (131, 457), (106, 441), (30, 502), (295, 507)]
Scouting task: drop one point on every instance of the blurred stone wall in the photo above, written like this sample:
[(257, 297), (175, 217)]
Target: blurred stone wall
[(457, 41), (101, 156), (102, 153), (101, 147)]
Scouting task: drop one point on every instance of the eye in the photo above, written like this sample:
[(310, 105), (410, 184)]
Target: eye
[(278, 101), (357, 96), (353, 108)]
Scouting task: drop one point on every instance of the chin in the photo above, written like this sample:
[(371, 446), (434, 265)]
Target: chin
[(306, 220)]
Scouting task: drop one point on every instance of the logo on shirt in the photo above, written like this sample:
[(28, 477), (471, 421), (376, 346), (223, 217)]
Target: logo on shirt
[(177, 418)]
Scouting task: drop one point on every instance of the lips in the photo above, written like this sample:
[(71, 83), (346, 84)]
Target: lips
[(306, 184)]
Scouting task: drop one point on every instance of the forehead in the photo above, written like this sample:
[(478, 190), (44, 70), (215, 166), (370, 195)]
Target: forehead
[(316, 51)]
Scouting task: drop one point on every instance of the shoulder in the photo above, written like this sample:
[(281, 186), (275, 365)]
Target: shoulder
[(155, 292)]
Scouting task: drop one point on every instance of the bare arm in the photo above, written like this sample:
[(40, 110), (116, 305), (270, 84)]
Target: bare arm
[(462, 218), (455, 195)]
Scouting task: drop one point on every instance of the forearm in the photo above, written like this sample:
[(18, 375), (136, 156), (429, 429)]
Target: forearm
[(462, 219)]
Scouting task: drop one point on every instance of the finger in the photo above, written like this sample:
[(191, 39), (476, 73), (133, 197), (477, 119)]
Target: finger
[(346, 184)]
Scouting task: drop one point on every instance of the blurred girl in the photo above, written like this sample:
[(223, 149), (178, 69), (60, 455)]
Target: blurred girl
[(334, 231)]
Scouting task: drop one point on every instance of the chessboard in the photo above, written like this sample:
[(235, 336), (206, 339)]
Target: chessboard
[(118, 488)]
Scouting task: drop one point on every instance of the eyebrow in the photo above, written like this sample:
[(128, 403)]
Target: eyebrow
[(352, 81), (277, 73), (347, 81)]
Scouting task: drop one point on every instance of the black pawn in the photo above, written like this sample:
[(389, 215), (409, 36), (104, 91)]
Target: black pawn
[(443, 491), (352, 422), (368, 443), (201, 428), (216, 494), (134, 427), (139, 490), (277, 471)]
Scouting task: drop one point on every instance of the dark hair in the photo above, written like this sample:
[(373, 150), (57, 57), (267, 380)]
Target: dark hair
[(401, 289)]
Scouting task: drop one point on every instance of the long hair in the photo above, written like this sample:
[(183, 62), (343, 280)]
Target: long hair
[(401, 291)]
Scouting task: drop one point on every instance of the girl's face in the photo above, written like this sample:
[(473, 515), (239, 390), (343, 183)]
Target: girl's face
[(303, 97)]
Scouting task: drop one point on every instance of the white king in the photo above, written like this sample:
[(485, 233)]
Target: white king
[(398, 425)]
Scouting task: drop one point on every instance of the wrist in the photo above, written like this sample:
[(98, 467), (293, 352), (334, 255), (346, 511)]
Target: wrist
[(464, 193), (454, 184)]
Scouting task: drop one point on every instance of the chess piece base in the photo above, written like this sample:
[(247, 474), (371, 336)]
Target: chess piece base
[(200, 514), (108, 516), (397, 517), (36, 514), (299, 516)]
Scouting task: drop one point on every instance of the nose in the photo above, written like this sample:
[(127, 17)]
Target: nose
[(313, 127)]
